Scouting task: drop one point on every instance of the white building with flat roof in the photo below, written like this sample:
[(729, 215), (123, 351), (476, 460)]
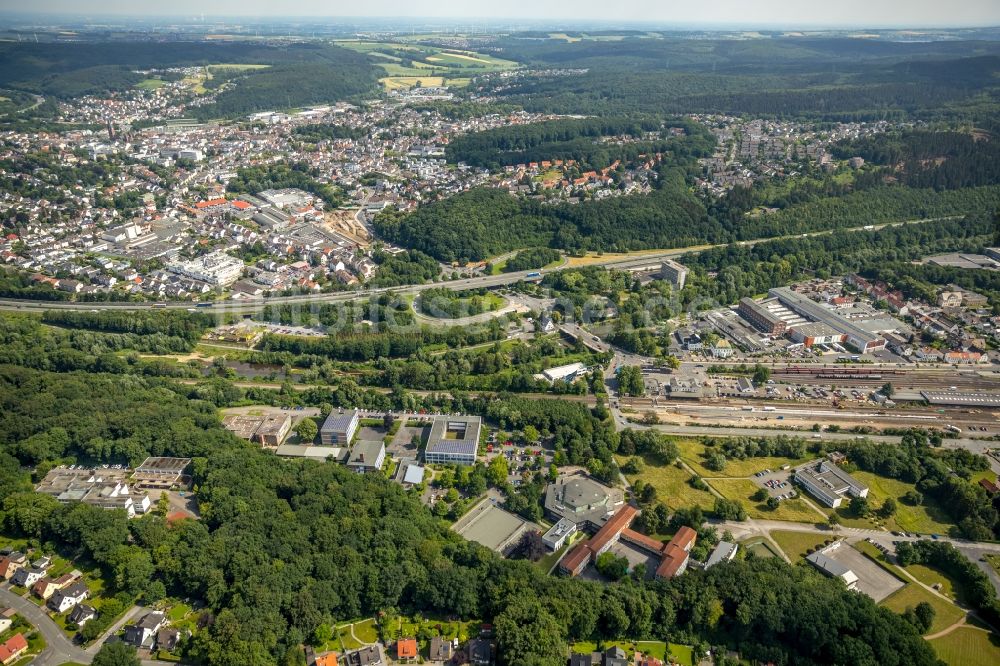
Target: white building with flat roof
[(828, 483)]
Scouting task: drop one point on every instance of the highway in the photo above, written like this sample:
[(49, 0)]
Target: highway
[(637, 262)]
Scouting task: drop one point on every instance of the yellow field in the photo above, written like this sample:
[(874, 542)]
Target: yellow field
[(398, 82)]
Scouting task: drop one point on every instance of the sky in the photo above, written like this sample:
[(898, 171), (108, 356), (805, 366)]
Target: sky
[(870, 13)]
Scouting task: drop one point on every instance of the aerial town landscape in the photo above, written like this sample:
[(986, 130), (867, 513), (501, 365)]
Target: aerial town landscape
[(532, 340)]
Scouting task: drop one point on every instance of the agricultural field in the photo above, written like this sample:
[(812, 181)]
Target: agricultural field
[(968, 646), (945, 613), (795, 510), (407, 64), (672, 485)]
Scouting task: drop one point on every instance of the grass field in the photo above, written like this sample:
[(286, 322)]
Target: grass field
[(945, 614), (150, 84), (693, 452), (927, 518), (672, 487), (968, 646), (930, 576), (795, 544), (794, 510), (759, 547)]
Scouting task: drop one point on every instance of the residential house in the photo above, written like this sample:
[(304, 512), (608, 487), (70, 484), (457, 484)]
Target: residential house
[(370, 655), (9, 564), (441, 649), (143, 632), (12, 649), (479, 652), (27, 576), (82, 614), (69, 597), (167, 638), (406, 648)]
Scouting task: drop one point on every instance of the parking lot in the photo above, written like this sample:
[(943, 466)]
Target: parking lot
[(873, 580), (778, 483)]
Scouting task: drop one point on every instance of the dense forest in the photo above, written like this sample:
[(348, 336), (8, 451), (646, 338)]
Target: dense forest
[(301, 70), (284, 546), (938, 160), (572, 139), (481, 223), (815, 78)]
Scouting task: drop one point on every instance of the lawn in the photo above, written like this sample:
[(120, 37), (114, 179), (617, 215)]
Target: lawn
[(930, 576), (968, 646), (546, 562), (795, 544), (178, 612), (684, 654), (926, 518), (693, 452), (945, 614), (794, 510), (366, 631), (672, 487), (759, 547), (994, 561)]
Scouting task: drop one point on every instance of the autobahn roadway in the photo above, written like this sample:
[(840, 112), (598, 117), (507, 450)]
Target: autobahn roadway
[(635, 262)]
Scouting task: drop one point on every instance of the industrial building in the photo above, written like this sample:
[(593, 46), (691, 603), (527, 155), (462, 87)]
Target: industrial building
[(453, 440), (835, 327), (761, 317), (828, 483)]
